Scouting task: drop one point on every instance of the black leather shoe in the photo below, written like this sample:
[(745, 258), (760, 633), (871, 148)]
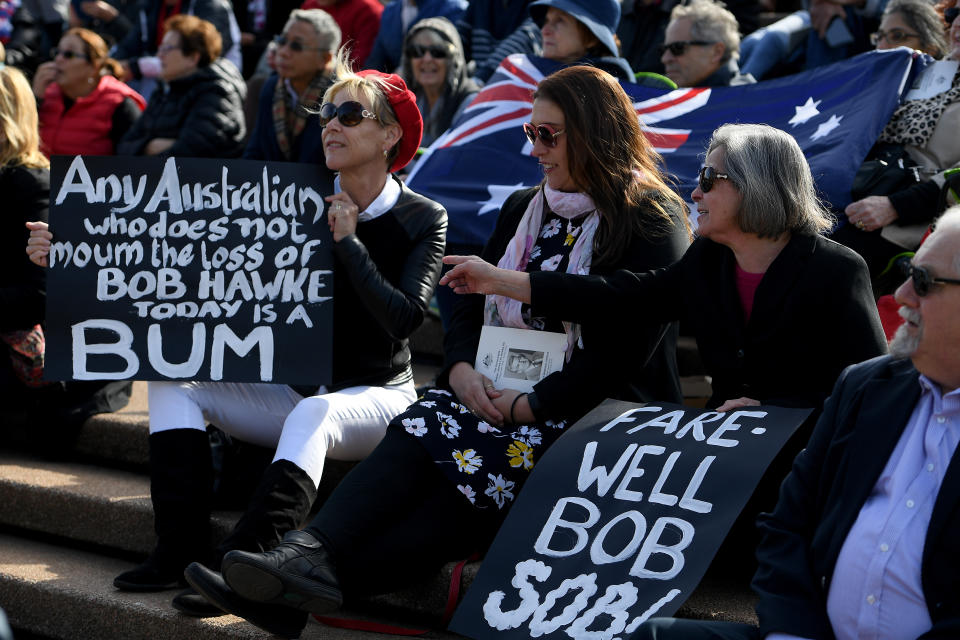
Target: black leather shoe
[(191, 603), (297, 573), (276, 619), (155, 574)]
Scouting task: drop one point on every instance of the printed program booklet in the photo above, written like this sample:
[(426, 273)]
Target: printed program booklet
[(519, 358)]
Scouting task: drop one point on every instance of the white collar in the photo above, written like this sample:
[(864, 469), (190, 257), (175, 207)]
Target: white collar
[(388, 197)]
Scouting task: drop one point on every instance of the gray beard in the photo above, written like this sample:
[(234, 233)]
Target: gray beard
[(904, 344)]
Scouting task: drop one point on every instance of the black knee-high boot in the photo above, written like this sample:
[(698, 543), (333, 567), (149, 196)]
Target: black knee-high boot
[(181, 487), (280, 503)]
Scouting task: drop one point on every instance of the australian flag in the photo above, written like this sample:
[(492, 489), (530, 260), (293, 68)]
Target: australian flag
[(835, 113)]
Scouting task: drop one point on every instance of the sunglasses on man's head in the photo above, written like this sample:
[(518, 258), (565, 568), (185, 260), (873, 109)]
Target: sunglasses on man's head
[(680, 47), (709, 175), (67, 54), (894, 36), (295, 45), (419, 50), (546, 133), (922, 280), (350, 113)]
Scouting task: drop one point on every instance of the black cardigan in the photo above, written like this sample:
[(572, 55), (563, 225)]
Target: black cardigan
[(22, 283), (813, 315), (612, 364), (384, 276)]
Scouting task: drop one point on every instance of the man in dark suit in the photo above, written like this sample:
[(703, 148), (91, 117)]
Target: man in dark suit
[(863, 542)]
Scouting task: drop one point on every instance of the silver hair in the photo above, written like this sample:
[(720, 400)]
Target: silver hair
[(711, 22), (924, 19), (326, 28), (772, 176)]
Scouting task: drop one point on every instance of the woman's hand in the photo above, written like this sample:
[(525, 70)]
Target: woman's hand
[(736, 403), (343, 215), (521, 410), (871, 213), (46, 73), (38, 245), (476, 392), (158, 146), (473, 275)]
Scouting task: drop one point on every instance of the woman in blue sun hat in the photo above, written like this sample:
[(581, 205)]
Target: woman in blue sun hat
[(581, 32)]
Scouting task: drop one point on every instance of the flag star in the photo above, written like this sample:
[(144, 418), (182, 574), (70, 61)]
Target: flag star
[(498, 193), (826, 127), (805, 112)]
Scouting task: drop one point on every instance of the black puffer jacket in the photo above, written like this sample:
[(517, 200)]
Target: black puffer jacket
[(203, 112)]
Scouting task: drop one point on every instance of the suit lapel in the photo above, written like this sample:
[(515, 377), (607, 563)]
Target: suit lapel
[(886, 408)]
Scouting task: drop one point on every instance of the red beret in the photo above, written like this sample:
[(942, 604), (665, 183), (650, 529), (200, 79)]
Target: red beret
[(404, 104)]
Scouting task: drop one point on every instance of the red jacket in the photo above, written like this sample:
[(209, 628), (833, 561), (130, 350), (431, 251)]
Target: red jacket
[(359, 22), (85, 127)]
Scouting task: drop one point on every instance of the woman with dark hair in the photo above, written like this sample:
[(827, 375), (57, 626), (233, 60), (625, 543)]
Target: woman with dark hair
[(921, 132), (198, 110), (441, 482), (84, 108), (435, 67)]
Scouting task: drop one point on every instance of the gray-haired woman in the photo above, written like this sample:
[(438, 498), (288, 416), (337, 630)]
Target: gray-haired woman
[(303, 57), (435, 68), (778, 311)]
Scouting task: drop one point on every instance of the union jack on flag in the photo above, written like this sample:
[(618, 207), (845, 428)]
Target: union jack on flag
[(835, 112)]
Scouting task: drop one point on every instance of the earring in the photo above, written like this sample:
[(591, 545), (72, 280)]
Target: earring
[(386, 152)]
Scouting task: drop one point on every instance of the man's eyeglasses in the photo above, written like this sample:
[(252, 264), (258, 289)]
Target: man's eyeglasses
[(295, 45), (167, 48), (922, 280), (894, 36), (680, 47), (436, 52), (709, 175), (67, 54), (350, 113), (546, 133)]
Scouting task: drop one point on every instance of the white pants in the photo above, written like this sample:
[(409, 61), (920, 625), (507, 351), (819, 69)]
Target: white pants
[(345, 425)]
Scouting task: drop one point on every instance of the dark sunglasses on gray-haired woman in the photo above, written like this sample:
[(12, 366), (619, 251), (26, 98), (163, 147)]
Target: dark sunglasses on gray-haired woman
[(709, 175)]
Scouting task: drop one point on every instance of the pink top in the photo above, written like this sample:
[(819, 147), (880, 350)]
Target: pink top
[(747, 284)]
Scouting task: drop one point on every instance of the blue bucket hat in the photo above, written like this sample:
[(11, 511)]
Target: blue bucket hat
[(601, 17)]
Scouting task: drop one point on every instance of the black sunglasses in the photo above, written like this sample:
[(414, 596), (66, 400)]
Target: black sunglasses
[(546, 133), (709, 175), (419, 50), (350, 113), (922, 280), (295, 45), (951, 14), (680, 47), (67, 54)]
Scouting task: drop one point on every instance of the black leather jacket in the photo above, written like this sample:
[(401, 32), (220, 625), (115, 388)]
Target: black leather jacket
[(384, 276)]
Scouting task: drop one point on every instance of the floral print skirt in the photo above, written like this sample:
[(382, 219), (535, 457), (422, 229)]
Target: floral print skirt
[(487, 464)]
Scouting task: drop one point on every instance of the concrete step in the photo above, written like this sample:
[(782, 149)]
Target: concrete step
[(67, 594)]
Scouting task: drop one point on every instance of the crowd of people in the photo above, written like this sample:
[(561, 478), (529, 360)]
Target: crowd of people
[(779, 291)]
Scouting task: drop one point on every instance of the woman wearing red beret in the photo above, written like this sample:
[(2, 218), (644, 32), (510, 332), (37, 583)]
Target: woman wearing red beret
[(387, 244)]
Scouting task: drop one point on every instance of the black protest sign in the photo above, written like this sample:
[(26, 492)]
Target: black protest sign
[(620, 519), (191, 269)]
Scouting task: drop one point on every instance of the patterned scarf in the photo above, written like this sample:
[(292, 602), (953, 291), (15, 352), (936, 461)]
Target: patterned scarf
[(914, 121), (289, 120), (500, 311)]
